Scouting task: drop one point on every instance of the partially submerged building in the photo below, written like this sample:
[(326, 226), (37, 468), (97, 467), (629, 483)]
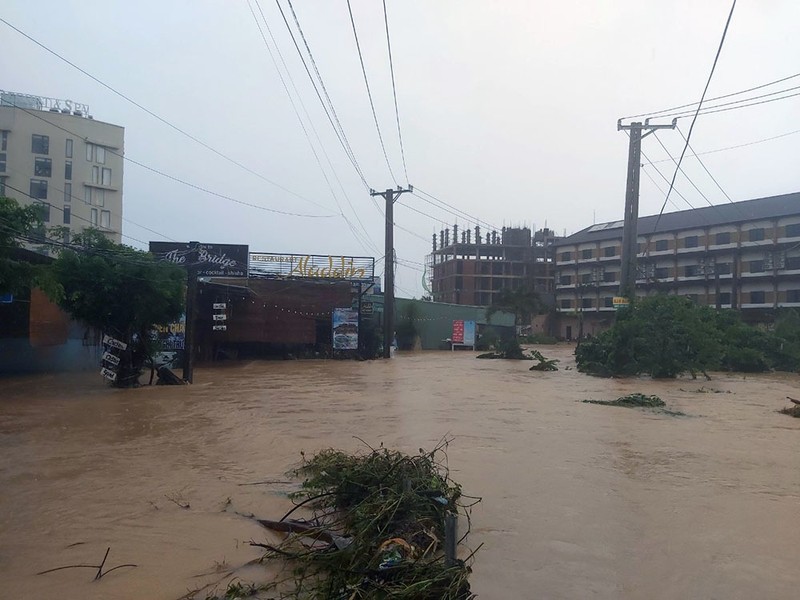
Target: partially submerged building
[(742, 255)]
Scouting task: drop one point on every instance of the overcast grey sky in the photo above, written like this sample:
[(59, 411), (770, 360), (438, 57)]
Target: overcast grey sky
[(508, 109)]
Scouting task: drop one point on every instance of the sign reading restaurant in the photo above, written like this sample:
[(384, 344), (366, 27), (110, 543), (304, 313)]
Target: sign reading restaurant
[(351, 268)]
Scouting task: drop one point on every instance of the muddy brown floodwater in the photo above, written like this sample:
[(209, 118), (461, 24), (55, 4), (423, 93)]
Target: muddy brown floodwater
[(579, 500)]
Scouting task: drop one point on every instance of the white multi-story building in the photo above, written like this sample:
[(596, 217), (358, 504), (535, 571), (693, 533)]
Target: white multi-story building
[(54, 154), (742, 255)]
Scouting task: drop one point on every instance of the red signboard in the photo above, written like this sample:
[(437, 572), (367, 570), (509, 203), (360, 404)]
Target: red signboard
[(458, 332)]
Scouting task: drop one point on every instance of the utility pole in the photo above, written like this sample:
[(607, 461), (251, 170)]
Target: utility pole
[(388, 294), (191, 297), (627, 284)]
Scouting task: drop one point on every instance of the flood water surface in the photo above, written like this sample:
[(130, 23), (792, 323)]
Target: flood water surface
[(579, 500)]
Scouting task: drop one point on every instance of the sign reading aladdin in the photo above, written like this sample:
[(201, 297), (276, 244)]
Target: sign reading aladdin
[(352, 268), (210, 260)]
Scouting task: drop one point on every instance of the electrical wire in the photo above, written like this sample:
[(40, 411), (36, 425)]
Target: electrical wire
[(753, 143), (697, 112), (158, 117), (732, 105), (329, 109), (369, 93), (457, 210), (674, 108), (702, 164), (675, 162), (394, 87)]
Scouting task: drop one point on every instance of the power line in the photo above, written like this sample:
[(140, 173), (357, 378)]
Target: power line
[(156, 116), (697, 112), (702, 164), (358, 236), (457, 211), (330, 113), (733, 103), (664, 177), (761, 141), (692, 183), (394, 87), (752, 89), (178, 179), (369, 93)]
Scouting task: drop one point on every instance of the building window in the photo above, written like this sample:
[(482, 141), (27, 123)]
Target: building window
[(690, 241), (45, 211), (3, 162), (662, 273), (586, 278), (87, 195), (724, 298), (757, 297), (89, 152), (568, 255), (609, 251), (93, 217), (4, 140), (756, 266), (565, 280), (68, 170), (792, 263), (38, 189), (67, 215), (756, 235), (792, 230), (40, 144), (723, 268), (608, 302), (95, 175), (105, 222), (662, 245), (43, 167), (793, 295), (723, 238), (67, 193), (586, 253), (100, 155), (586, 303), (566, 304), (691, 271), (107, 181), (610, 276), (68, 150)]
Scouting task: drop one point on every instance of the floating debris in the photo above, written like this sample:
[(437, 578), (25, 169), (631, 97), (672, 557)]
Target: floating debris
[(632, 401), (544, 364), (792, 411)]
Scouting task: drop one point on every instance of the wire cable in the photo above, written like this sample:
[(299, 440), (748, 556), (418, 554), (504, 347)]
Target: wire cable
[(761, 141), (752, 89), (675, 162), (702, 164), (394, 88), (158, 117), (369, 93), (711, 109), (697, 112)]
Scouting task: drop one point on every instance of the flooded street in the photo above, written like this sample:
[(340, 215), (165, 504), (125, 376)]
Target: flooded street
[(579, 500)]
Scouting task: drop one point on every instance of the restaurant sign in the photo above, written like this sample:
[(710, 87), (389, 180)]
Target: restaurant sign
[(210, 260), (313, 266)]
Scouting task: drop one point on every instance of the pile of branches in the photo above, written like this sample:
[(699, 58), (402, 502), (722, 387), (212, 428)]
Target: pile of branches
[(632, 401), (792, 411), (376, 529), (544, 364)]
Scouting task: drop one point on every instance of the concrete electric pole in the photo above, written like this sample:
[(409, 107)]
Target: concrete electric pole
[(388, 294), (627, 284)]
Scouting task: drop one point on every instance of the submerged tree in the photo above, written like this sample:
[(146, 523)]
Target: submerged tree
[(523, 302), (121, 291), (18, 225)]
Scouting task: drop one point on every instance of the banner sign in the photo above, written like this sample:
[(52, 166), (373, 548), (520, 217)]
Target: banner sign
[(469, 333), (113, 343), (345, 329), (458, 332), (171, 343), (209, 260), (108, 374), (619, 302), (313, 266)]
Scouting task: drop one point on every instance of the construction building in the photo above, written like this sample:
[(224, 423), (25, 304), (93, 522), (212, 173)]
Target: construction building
[(742, 255), (55, 155), (464, 270)]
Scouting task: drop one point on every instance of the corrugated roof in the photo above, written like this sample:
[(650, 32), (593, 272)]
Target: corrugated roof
[(733, 212)]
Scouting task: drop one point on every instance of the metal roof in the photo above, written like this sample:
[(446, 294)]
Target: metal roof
[(721, 214)]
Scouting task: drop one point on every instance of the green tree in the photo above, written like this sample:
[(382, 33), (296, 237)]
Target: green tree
[(19, 224), (121, 291), (523, 302)]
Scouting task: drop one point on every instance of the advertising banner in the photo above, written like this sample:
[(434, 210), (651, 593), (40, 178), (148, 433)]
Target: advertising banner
[(171, 342), (345, 329), (458, 332), (313, 266), (209, 260), (469, 333)]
